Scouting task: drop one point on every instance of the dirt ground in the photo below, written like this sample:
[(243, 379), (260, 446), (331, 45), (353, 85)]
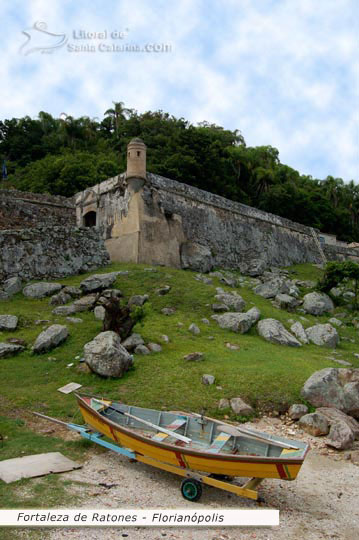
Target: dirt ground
[(321, 503)]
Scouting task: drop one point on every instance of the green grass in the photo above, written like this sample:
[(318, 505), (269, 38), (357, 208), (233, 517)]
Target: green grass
[(264, 374)]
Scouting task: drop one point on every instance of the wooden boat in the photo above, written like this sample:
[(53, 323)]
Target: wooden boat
[(188, 442)]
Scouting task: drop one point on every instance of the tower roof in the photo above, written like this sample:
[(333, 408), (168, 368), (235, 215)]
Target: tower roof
[(136, 140)]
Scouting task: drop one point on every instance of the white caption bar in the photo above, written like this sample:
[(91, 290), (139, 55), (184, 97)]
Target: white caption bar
[(138, 518)]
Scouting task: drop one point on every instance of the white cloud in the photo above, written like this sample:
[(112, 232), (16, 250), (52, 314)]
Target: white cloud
[(285, 73)]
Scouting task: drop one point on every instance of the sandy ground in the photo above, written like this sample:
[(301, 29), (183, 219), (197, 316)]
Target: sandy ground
[(322, 503)]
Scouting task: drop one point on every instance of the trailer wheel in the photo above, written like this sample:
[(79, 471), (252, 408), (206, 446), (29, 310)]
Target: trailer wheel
[(191, 489)]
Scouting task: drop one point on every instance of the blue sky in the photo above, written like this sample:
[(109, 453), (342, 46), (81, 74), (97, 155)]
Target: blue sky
[(283, 72)]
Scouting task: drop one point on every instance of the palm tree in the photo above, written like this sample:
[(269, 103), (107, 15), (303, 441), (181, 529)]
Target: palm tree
[(117, 114)]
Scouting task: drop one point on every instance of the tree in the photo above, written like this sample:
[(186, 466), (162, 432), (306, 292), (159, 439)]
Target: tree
[(336, 272)]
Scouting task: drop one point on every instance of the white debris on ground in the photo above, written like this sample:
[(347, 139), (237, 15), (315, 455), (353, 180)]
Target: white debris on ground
[(322, 503)]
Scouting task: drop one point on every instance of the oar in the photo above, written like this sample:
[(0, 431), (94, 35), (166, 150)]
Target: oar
[(237, 432), (158, 428)]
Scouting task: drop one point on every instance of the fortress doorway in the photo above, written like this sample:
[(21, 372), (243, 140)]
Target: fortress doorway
[(90, 219)]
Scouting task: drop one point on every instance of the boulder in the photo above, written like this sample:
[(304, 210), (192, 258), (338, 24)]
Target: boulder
[(335, 416), (297, 410), (74, 292), (205, 321), (315, 424), (65, 310), (237, 322), (74, 320), (193, 328), (298, 330), (324, 335), (274, 331), (163, 290), (142, 349), (240, 407), (194, 357), (106, 356), (133, 341), (208, 379), (138, 300), (254, 267), (99, 313), (60, 299), (270, 289), (223, 404), (335, 321), (42, 289), (98, 282), (154, 347), (196, 257), (8, 322), (220, 308), (334, 387), (165, 338), (168, 310), (340, 436), (111, 293), (4, 295), (254, 314), (317, 303), (10, 349), (50, 338), (85, 303), (285, 301), (234, 301), (232, 346), (12, 285)]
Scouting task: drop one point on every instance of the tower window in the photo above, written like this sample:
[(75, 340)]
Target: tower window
[(138, 153), (129, 155)]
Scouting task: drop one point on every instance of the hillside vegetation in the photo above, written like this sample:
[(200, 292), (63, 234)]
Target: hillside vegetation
[(65, 155)]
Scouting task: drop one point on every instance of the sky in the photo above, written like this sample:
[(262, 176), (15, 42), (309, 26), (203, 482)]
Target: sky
[(283, 72)]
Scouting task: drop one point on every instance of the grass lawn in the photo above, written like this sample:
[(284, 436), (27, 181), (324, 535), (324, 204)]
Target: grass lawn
[(264, 374)]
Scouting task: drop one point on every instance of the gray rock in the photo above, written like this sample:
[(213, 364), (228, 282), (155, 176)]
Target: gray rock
[(234, 301), (168, 310), (138, 300), (50, 338), (273, 331), (336, 292), (74, 320), (85, 303), (142, 349), (297, 410), (340, 436), (335, 321), (229, 281), (65, 310), (240, 407), (298, 330), (10, 349), (335, 416), (106, 356), (205, 321), (133, 341), (232, 347), (98, 282), (237, 322), (315, 424), (154, 347), (270, 289), (223, 404), (334, 387), (196, 257), (317, 303), (42, 289), (193, 328), (163, 290), (165, 338), (208, 379), (348, 296), (254, 267), (74, 292), (4, 295), (204, 279), (12, 285), (220, 308), (112, 293), (323, 335), (254, 314), (8, 322), (60, 299), (194, 357), (285, 301), (340, 361), (99, 313)]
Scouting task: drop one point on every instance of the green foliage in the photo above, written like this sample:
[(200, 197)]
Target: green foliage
[(336, 273), (65, 155)]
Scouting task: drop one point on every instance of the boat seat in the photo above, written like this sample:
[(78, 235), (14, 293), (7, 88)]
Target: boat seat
[(172, 427), (219, 442)]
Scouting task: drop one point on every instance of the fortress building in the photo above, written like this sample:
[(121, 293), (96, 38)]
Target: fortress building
[(147, 218)]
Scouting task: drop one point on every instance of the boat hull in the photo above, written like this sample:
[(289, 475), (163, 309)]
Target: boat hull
[(231, 465)]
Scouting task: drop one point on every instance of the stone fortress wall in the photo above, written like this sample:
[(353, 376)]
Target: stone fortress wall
[(147, 218)]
